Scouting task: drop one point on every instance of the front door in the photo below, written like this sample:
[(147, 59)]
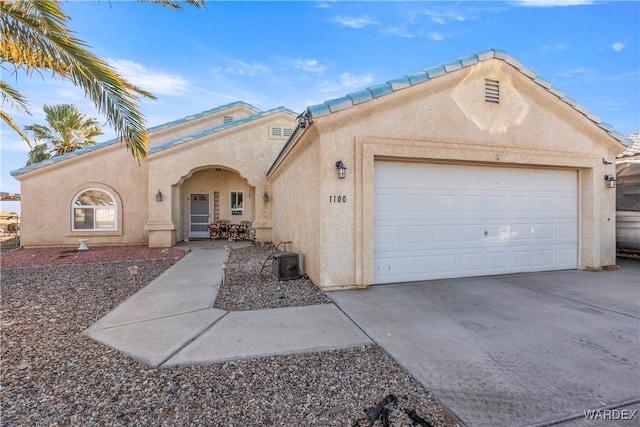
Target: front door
[(198, 216)]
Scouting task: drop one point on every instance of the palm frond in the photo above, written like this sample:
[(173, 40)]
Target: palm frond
[(175, 4), (12, 124), (39, 153), (14, 98), (36, 37)]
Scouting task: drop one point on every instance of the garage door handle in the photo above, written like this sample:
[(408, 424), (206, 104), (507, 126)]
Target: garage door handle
[(486, 233)]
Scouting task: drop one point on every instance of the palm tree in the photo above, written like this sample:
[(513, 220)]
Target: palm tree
[(35, 37), (68, 130), (39, 153)]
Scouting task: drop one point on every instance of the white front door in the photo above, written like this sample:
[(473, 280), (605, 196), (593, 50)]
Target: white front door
[(199, 215), (436, 221)]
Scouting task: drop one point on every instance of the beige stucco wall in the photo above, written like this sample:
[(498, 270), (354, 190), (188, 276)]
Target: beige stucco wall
[(47, 194), (447, 120), (243, 153), (247, 150), (297, 205), (208, 181)]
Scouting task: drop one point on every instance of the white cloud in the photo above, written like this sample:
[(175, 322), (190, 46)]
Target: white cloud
[(241, 68), (573, 72), (399, 32), (355, 22), (444, 17), (310, 65), (158, 83), (552, 3), (555, 48), (435, 36), (346, 82), (618, 46)]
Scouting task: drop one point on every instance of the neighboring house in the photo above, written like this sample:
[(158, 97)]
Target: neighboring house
[(471, 168), (9, 222), (628, 196)]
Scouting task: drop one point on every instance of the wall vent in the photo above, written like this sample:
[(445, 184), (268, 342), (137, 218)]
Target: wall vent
[(228, 119), (281, 132), (492, 91)]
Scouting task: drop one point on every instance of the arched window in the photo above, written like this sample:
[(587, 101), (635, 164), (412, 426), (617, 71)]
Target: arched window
[(94, 209)]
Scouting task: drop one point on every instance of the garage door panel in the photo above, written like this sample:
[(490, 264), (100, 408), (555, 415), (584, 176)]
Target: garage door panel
[(471, 220)]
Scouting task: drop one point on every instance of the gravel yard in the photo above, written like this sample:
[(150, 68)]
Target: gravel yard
[(53, 375)]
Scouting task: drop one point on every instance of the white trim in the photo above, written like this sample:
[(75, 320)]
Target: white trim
[(199, 234), (231, 208), (113, 207)]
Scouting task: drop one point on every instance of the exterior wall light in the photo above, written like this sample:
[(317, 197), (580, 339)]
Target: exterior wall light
[(265, 197), (610, 180), (302, 120), (159, 196), (342, 169)]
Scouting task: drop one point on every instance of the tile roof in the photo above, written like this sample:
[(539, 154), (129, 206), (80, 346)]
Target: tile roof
[(158, 127), (352, 99), (219, 128), (634, 148), (204, 114)]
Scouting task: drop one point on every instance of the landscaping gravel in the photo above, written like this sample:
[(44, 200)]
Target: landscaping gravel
[(53, 375), (249, 286)]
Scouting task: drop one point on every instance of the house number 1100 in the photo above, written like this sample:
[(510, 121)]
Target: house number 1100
[(337, 199)]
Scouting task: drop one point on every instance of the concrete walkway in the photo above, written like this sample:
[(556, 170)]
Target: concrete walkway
[(172, 321)]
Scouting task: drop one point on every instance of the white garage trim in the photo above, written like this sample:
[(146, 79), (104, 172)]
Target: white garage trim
[(436, 221)]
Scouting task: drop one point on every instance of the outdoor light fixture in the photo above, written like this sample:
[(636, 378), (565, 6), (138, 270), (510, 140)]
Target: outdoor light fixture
[(265, 197), (342, 169), (610, 180), (304, 119), (159, 196), (133, 272)]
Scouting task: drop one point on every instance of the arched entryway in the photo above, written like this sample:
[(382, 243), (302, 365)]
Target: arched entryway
[(208, 195)]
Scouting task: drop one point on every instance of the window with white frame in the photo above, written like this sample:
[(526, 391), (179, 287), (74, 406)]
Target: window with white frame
[(236, 202), (93, 210)]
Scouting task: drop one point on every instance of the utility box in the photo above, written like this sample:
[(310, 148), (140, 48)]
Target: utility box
[(286, 266)]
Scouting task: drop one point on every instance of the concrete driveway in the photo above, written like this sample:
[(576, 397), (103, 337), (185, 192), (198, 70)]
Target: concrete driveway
[(516, 350)]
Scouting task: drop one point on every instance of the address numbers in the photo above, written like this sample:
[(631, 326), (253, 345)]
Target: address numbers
[(337, 199)]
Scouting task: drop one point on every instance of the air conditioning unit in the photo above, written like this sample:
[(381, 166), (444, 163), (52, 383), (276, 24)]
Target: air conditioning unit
[(286, 266)]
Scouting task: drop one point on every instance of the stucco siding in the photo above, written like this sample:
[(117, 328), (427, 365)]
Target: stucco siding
[(210, 181), (448, 120), (296, 205), (48, 193), (246, 150)]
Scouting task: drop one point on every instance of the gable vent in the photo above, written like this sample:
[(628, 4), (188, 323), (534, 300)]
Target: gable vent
[(492, 91), (228, 119), (281, 132)]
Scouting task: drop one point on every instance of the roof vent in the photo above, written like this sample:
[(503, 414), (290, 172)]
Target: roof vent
[(492, 91)]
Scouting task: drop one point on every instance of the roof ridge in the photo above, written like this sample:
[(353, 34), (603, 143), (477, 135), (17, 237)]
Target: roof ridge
[(202, 114), (154, 149), (218, 128), (352, 99)]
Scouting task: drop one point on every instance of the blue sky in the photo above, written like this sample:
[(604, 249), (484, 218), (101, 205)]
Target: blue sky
[(296, 54)]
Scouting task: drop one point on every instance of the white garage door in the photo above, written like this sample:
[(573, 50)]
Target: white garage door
[(436, 221)]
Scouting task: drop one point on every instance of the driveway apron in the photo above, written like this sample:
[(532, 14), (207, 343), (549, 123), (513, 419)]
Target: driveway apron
[(515, 350)]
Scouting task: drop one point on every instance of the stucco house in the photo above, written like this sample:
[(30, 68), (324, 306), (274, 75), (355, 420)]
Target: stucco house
[(470, 168)]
